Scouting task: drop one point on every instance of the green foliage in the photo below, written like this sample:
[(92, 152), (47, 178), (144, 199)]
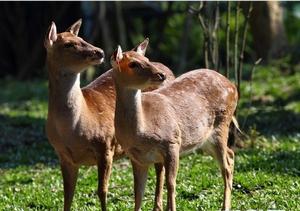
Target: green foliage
[(266, 173), (173, 33), (275, 101), (292, 22)]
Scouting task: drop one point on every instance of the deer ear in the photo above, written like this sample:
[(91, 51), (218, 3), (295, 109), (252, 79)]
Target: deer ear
[(74, 29), (117, 56), (142, 47), (51, 36)]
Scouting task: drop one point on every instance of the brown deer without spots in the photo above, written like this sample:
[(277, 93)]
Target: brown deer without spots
[(80, 123), (193, 111)]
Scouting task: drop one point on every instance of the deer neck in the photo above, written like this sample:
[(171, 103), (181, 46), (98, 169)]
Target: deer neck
[(65, 96), (129, 110)]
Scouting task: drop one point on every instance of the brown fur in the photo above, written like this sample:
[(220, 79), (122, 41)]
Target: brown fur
[(80, 123), (193, 111)]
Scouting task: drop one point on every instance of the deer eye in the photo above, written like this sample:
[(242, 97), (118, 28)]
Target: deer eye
[(133, 65), (69, 45)]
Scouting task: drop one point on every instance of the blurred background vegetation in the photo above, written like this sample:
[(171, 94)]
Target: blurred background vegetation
[(182, 35), (268, 111), (176, 36)]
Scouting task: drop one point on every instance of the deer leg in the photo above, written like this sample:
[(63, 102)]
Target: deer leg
[(227, 173), (160, 173), (140, 174), (171, 165), (69, 173), (105, 160), (230, 162), (225, 157)]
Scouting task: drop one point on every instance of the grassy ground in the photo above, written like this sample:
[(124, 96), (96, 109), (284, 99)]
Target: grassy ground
[(267, 172)]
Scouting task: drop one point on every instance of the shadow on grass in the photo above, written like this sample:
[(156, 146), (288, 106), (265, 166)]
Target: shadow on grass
[(273, 162), (294, 96), (276, 121), (16, 91), (23, 142)]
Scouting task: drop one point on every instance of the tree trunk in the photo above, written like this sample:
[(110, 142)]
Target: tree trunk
[(184, 42), (105, 30), (121, 24), (267, 28)]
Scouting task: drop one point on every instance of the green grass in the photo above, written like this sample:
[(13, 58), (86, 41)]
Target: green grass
[(267, 173)]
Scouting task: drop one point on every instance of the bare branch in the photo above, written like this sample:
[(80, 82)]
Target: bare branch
[(241, 59), (205, 49), (227, 39), (184, 42), (215, 37), (121, 24), (236, 39), (205, 32), (217, 16), (250, 89)]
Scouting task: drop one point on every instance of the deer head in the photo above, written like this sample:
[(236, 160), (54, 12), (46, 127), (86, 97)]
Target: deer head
[(133, 70), (68, 51)]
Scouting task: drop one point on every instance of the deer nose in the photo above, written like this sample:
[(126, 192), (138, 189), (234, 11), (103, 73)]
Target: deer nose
[(99, 53), (161, 76)]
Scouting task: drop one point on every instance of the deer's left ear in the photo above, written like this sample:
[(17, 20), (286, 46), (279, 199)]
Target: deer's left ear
[(117, 56), (142, 47), (74, 29), (51, 36)]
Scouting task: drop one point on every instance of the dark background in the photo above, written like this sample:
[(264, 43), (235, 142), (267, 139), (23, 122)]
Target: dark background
[(176, 37)]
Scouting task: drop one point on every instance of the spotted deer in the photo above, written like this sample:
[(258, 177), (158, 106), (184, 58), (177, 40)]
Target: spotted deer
[(193, 111), (80, 123)]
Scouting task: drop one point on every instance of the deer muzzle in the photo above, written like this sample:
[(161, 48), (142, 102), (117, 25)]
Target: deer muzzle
[(96, 55), (159, 77)]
